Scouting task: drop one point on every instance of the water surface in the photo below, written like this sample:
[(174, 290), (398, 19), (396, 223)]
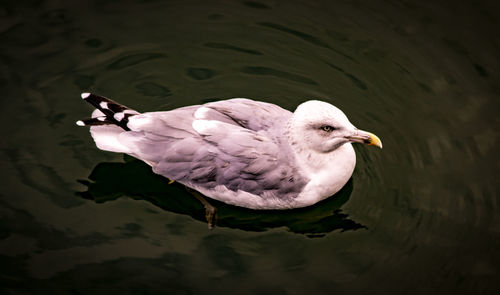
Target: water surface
[(419, 216)]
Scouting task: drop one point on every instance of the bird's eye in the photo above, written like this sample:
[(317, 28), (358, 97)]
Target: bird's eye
[(327, 128)]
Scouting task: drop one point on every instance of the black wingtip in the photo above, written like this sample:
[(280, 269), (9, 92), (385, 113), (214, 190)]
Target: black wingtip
[(114, 113), (97, 121)]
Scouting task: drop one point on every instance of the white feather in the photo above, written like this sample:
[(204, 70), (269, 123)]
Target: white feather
[(106, 138), (97, 113), (205, 126), (201, 113), (119, 116)]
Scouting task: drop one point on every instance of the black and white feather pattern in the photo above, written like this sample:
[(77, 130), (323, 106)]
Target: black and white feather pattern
[(110, 112)]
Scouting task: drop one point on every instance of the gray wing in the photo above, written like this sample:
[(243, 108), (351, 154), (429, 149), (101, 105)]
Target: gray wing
[(231, 143), (247, 113)]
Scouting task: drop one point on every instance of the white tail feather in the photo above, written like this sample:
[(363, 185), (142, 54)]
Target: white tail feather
[(106, 138)]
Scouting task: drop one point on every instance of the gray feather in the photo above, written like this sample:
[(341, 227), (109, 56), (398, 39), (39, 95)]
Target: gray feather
[(250, 159)]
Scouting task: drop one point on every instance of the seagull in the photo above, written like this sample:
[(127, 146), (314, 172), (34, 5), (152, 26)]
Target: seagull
[(239, 151)]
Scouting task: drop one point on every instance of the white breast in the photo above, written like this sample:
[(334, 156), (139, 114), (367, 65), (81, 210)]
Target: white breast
[(328, 173)]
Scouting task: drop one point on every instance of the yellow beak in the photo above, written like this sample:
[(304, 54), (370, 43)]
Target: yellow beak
[(365, 137), (374, 140)]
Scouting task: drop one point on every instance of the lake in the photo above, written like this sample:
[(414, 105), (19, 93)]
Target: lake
[(420, 216)]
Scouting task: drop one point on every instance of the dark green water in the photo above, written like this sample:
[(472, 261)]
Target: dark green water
[(420, 216)]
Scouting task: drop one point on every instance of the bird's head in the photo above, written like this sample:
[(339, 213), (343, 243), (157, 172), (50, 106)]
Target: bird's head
[(323, 128)]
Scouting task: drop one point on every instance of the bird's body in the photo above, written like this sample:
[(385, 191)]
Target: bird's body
[(238, 151)]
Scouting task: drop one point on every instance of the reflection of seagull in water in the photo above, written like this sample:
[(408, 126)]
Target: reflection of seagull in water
[(239, 151)]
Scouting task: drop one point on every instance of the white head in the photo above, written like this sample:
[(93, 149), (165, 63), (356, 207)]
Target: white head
[(321, 127)]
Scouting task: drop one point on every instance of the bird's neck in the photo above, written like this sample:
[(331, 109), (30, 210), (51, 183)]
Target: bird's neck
[(340, 159), (328, 173), (331, 170)]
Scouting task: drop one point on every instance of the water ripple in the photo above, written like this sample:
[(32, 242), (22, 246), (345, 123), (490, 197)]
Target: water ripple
[(134, 59), (304, 36), (265, 71), (231, 47), (360, 84)]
